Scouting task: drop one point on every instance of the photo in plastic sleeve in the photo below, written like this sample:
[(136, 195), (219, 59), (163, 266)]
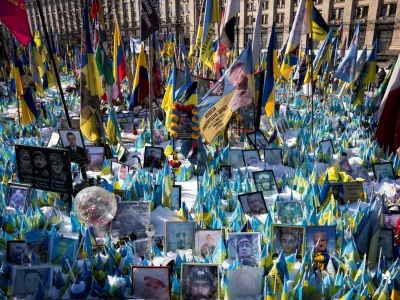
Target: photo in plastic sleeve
[(251, 157), (72, 141), (290, 212), (327, 144), (200, 281), (38, 243), (143, 248), (253, 204), (158, 240), (179, 235), (158, 136), (245, 246), (138, 123), (383, 171), (289, 239), (17, 195), (120, 171), (265, 182), (258, 140), (153, 157), (61, 247), (132, 217), (245, 284), (95, 158), (26, 280), (321, 239), (206, 240), (17, 253), (273, 157), (46, 169), (151, 283)]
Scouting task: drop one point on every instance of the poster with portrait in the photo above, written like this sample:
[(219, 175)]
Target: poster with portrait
[(353, 191), (26, 280), (62, 248), (246, 246), (95, 158), (206, 240), (253, 204), (265, 182), (245, 283), (251, 157), (179, 235), (131, 218), (290, 212), (232, 92), (289, 239), (151, 282), (119, 170), (194, 276), (153, 158), (158, 240), (17, 253), (72, 141), (258, 140), (143, 248), (383, 171), (273, 157), (321, 239), (17, 195), (46, 169)]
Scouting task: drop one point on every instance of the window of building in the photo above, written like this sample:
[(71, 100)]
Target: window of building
[(265, 19), (383, 11), (384, 40), (365, 11), (280, 18), (361, 39), (392, 9), (265, 4), (249, 20), (247, 38), (341, 13), (279, 39), (264, 37), (280, 3), (187, 19)]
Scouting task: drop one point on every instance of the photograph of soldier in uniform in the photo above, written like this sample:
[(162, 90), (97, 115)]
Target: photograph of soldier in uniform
[(153, 157), (17, 195), (200, 281), (245, 246), (17, 253), (265, 182), (72, 140)]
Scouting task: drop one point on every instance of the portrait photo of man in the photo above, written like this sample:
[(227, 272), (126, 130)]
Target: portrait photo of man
[(185, 126), (62, 248), (40, 166), (253, 204), (208, 247), (265, 182), (72, 141), (242, 96), (179, 235), (17, 197), (200, 281), (245, 246), (152, 158), (25, 164), (383, 171), (142, 248), (321, 240), (151, 283), (26, 280), (289, 240), (17, 253)]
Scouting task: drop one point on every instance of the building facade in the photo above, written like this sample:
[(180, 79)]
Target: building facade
[(379, 19)]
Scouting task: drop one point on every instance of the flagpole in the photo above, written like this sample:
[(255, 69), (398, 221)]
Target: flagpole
[(151, 93), (39, 5), (312, 81)]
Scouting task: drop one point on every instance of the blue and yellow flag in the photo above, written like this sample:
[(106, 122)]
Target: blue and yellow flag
[(113, 132), (319, 27), (211, 16), (166, 186), (141, 83), (271, 74)]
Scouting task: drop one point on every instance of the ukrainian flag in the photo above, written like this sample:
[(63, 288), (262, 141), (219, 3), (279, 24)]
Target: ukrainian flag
[(119, 69), (168, 100), (141, 83), (319, 27), (112, 130), (272, 73), (211, 16), (166, 186)]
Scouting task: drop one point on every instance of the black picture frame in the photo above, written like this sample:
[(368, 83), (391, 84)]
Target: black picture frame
[(80, 156), (147, 161), (325, 142), (92, 166), (270, 151), (18, 260), (255, 174), (18, 186), (390, 167), (245, 206), (227, 169), (259, 137), (40, 167), (176, 205), (248, 151)]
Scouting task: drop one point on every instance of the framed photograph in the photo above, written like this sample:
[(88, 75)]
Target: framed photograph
[(235, 158), (54, 140), (143, 248), (329, 190), (153, 157), (126, 127), (344, 166), (386, 243), (47, 169), (290, 212), (251, 157), (179, 235), (326, 144), (17, 253), (151, 282), (246, 246), (158, 240), (265, 182), (119, 170), (62, 247), (206, 240), (273, 156), (72, 141), (390, 221), (26, 280), (176, 195), (245, 283), (383, 171), (253, 204), (227, 170), (138, 123), (289, 239), (353, 191), (258, 140), (200, 281), (184, 128), (322, 238), (361, 173), (17, 195), (132, 217), (38, 242), (95, 158), (158, 135)]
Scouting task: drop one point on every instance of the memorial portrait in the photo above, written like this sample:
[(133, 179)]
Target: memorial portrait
[(251, 157), (179, 235), (273, 157), (246, 246), (200, 281), (62, 248), (265, 182), (153, 158), (17, 195), (383, 171), (151, 283), (290, 212), (289, 239), (253, 203), (17, 253), (72, 141), (95, 158), (258, 140), (206, 241)]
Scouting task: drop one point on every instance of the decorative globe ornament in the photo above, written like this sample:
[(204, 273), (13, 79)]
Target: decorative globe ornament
[(95, 206)]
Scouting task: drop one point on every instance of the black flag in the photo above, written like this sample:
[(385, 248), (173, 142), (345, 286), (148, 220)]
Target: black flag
[(149, 20)]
